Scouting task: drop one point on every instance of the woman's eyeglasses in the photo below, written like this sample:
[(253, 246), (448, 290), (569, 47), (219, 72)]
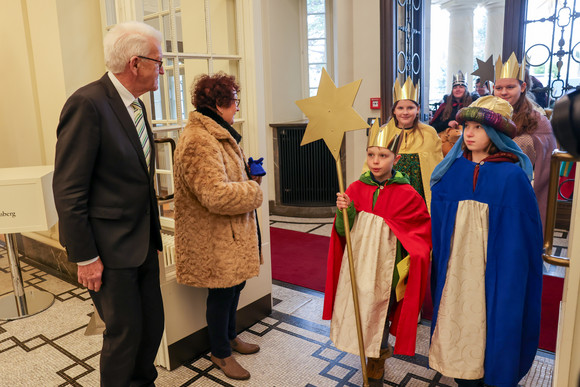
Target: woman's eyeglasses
[(237, 100)]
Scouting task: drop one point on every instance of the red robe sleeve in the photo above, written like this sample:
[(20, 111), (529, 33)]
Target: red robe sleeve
[(335, 253), (412, 226)]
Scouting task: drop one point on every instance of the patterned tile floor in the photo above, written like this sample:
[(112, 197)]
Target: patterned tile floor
[(50, 349)]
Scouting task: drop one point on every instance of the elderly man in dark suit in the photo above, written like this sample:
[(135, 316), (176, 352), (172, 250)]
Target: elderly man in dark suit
[(104, 194)]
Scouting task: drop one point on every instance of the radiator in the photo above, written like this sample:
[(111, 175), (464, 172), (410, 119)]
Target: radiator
[(307, 173)]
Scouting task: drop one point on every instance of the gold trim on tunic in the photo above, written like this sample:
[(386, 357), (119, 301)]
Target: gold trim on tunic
[(374, 248), (458, 342)]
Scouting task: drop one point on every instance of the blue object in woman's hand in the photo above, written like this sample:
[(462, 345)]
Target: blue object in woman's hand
[(256, 168)]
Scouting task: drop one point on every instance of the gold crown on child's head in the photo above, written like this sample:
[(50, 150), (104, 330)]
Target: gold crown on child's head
[(510, 69), (386, 136), (407, 91)]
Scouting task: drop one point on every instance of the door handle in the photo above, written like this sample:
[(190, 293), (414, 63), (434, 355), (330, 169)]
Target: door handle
[(558, 156)]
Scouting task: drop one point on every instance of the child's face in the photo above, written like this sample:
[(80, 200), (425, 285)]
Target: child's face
[(475, 137), (509, 89), (406, 111), (458, 91), (380, 161)]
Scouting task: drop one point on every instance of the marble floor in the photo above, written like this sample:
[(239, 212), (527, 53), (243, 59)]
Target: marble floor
[(50, 348)]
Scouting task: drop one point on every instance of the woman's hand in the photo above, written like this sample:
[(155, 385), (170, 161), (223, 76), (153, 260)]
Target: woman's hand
[(453, 124), (257, 179), (342, 201)]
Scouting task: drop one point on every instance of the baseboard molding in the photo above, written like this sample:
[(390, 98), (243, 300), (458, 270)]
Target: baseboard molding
[(301, 212), (48, 258)]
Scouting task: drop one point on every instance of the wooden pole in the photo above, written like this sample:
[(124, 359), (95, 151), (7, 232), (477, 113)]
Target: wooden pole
[(361, 345)]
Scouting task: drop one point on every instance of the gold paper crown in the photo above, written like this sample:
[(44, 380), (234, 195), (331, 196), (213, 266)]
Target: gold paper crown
[(386, 136), (408, 91), (510, 69)]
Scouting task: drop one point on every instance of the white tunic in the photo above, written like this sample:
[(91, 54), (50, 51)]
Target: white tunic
[(374, 252)]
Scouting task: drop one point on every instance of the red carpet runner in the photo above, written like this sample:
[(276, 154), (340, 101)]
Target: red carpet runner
[(299, 258)]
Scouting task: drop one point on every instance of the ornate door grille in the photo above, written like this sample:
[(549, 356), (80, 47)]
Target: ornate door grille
[(559, 50), (402, 24)]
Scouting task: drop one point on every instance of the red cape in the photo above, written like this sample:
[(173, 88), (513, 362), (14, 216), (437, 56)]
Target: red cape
[(406, 214)]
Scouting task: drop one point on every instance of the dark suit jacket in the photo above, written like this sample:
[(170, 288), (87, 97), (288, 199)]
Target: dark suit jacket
[(103, 193)]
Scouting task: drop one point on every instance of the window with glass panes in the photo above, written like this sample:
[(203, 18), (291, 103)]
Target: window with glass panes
[(317, 28), (199, 37)]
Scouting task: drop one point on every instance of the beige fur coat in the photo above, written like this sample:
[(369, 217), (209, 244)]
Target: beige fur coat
[(216, 240)]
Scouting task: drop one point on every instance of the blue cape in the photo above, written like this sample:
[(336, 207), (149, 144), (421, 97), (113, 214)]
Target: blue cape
[(513, 277)]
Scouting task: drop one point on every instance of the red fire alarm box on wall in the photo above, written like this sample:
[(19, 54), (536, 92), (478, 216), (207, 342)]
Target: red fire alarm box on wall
[(375, 103)]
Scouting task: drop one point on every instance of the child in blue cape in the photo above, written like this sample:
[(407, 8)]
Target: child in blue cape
[(486, 274)]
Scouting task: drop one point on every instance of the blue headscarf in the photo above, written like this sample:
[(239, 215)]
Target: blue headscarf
[(500, 140)]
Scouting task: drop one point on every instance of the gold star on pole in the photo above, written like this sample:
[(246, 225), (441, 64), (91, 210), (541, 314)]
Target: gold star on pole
[(485, 70), (330, 113)]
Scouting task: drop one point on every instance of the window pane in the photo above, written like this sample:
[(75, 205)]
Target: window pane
[(313, 92), (165, 5), (316, 26), (192, 69), (317, 51), (153, 23), (438, 65), (178, 31), (150, 6), (158, 100), (540, 9), (167, 33), (479, 36), (314, 72), (227, 66), (172, 96), (315, 6), (111, 12), (184, 95)]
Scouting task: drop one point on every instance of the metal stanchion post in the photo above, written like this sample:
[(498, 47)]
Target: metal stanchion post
[(21, 303)]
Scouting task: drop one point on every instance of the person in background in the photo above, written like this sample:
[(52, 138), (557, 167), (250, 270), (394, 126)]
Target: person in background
[(486, 274), (420, 146), (391, 239), (534, 132), (482, 88), (107, 207), (217, 240), (444, 116)]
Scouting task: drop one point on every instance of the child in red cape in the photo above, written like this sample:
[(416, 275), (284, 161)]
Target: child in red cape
[(391, 242)]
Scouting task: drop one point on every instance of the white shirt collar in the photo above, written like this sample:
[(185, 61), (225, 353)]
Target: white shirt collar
[(125, 94)]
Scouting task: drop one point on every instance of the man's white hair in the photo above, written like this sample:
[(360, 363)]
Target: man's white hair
[(126, 40)]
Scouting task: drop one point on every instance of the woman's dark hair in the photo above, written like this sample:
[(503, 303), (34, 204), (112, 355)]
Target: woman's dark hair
[(465, 101), (525, 117), (214, 90)]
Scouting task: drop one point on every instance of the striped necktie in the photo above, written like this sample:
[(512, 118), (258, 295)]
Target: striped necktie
[(143, 136)]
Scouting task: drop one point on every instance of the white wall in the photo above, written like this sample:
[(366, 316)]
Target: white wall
[(19, 113), (282, 59), (282, 69), (357, 56), (54, 46)]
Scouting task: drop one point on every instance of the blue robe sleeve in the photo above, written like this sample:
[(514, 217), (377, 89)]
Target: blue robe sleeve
[(513, 284)]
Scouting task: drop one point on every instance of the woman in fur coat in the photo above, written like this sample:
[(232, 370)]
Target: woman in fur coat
[(216, 232)]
